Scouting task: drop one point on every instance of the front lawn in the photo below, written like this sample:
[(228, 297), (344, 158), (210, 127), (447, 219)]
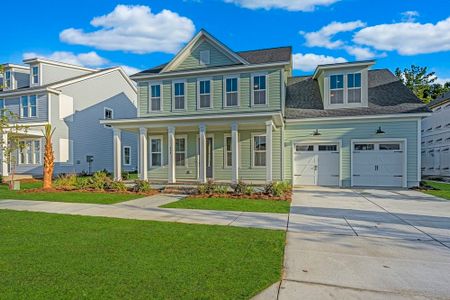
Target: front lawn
[(62, 196), (49, 256), (442, 189), (231, 204)]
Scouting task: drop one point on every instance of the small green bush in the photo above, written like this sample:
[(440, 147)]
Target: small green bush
[(239, 188), (125, 175), (220, 189), (142, 186), (207, 188), (65, 181), (118, 186), (277, 188), (249, 190), (100, 180), (83, 183)]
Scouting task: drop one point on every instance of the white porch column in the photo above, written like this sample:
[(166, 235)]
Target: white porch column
[(143, 157), (202, 154), (171, 154), (269, 125), (117, 141), (3, 160), (234, 152)]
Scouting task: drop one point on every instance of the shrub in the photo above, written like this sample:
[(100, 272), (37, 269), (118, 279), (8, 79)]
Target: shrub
[(1, 178), (220, 189), (83, 183), (249, 190), (117, 186), (125, 175), (277, 189), (65, 181), (207, 188), (142, 186), (240, 187), (100, 180)]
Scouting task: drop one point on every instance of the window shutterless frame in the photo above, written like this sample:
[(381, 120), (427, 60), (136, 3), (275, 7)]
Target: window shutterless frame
[(108, 114), (254, 150), (227, 161), (259, 89), (176, 95), (179, 152), (228, 92), (156, 151), (155, 95), (126, 155), (202, 92), (29, 106), (35, 75)]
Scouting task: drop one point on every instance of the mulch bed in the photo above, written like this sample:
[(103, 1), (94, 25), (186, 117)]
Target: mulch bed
[(254, 196), (68, 190)]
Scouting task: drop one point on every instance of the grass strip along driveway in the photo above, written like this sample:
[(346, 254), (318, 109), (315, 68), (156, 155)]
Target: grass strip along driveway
[(442, 189), (62, 196), (248, 205), (58, 256)]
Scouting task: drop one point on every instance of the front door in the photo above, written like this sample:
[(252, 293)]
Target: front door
[(209, 157)]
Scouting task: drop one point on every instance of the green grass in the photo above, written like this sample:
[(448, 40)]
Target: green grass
[(443, 189), (49, 256), (77, 197), (231, 204)]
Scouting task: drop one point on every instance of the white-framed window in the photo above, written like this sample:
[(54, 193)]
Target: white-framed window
[(205, 57), (28, 106), (179, 95), (35, 75), (259, 150), (8, 80), (30, 152), (108, 114), (227, 154), (126, 155), (155, 97), (180, 151), (259, 84), (156, 154), (354, 88), (204, 93), (231, 91), (337, 89)]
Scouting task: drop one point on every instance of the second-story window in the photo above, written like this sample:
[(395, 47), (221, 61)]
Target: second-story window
[(35, 75), (8, 81), (108, 115), (354, 88), (259, 90), (28, 106), (155, 98), (337, 89), (231, 92), (179, 95), (204, 92)]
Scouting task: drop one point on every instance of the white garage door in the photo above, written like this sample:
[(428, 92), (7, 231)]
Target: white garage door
[(316, 164), (378, 164)]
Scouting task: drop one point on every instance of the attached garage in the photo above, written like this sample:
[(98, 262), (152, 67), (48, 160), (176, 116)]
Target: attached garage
[(316, 164), (378, 163)]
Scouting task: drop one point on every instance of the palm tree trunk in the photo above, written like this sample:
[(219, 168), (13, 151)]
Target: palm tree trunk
[(49, 157)]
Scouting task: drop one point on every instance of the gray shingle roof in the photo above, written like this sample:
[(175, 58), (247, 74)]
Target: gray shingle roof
[(261, 56), (440, 100), (387, 95)]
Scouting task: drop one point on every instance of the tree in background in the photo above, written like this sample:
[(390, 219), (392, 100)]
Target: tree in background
[(421, 82), (49, 157)]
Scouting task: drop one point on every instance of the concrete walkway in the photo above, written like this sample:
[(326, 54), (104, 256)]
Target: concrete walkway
[(367, 244), (148, 209)]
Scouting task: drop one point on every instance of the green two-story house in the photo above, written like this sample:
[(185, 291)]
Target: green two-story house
[(213, 113)]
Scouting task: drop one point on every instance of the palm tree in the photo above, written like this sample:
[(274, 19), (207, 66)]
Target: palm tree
[(49, 156)]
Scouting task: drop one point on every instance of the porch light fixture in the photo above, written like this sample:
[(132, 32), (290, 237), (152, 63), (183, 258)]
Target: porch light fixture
[(316, 132), (379, 130)]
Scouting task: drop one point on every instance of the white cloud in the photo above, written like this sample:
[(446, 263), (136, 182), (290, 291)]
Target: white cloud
[(362, 53), (322, 37), (291, 5), (130, 70), (407, 38), (409, 16), (309, 61), (442, 80), (89, 59), (135, 29)]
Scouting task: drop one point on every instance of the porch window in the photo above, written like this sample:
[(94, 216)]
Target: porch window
[(259, 151), (30, 152), (231, 92), (337, 89), (127, 155), (204, 93), (259, 90), (228, 152), (155, 97), (180, 152), (35, 75), (8, 81), (179, 95), (354, 88), (155, 152)]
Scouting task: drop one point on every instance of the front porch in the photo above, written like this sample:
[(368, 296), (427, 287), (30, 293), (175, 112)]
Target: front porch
[(199, 148)]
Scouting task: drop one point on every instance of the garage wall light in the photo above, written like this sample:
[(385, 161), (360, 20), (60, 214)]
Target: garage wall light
[(315, 133), (379, 130)]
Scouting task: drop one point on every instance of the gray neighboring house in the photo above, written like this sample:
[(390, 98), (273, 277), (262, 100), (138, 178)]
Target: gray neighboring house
[(72, 99)]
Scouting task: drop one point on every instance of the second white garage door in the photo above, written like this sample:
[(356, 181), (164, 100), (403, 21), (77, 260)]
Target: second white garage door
[(378, 164)]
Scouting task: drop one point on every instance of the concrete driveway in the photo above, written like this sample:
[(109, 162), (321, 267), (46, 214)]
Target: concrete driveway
[(367, 244)]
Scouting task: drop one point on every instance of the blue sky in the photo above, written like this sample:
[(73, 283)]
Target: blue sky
[(143, 34)]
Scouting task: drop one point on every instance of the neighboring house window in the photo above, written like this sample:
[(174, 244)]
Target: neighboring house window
[(337, 89), (30, 152), (204, 93), (108, 115), (205, 57), (179, 94), (180, 152), (28, 105), (155, 97), (259, 150), (228, 152), (155, 152), (127, 155), (8, 80), (231, 92), (259, 90), (354, 88), (35, 75), (2, 107)]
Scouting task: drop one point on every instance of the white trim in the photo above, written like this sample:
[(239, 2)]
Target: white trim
[(155, 137), (28, 91), (123, 149), (197, 148), (225, 136), (15, 66), (33, 156), (393, 116), (211, 93), (29, 109), (320, 68), (177, 137), (252, 91), (238, 78), (56, 63), (419, 151), (173, 94), (253, 135), (161, 86), (381, 140), (104, 116), (39, 75)]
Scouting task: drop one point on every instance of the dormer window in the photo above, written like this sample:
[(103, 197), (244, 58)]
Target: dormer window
[(8, 81), (35, 75), (354, 87), (205, 57), (337, 89)]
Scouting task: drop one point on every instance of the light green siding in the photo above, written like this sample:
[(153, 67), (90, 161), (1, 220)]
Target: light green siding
[(217, 57), (350, 130)]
